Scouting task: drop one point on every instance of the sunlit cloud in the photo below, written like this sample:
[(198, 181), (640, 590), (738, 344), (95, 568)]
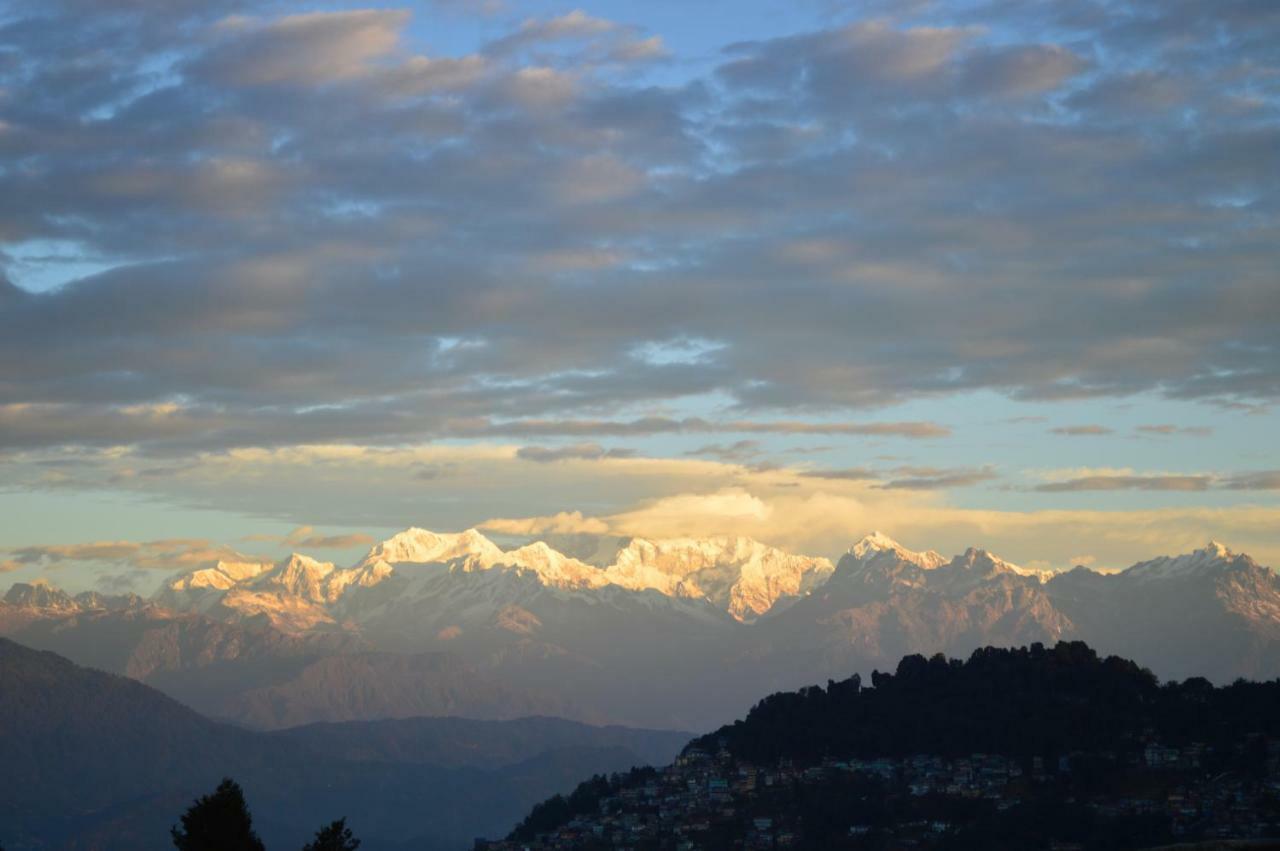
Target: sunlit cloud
[(172, 554)]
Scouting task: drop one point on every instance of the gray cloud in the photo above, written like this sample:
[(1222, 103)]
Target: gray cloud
[(1092, 430), (929, 478), (1118, 483), (167, 554), (847, 474), (1169, 429), (1260, 480), (691, 425), (574, 452), (120, 583), (388, 245), (736, 452)]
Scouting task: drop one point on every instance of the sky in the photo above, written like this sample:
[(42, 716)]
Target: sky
[(971, 273)]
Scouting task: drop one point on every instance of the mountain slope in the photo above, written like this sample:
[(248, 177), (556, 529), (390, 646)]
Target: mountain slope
[(452, 741), (884, 601), (95, 760), (1211, 613)]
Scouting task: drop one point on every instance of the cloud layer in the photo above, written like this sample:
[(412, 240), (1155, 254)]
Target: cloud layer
[(310, 229)]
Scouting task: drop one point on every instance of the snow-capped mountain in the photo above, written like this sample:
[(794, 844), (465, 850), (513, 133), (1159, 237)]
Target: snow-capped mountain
[(1212, 557), (419, 546), (884, 601), (878, 545), (26, 602), (742, 576), (737, 575), (679, 632), (1211, 612)]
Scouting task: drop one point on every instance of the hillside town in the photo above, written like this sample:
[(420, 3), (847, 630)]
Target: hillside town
[(710, 800)]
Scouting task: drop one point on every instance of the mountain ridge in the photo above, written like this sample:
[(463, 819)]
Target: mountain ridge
[(97, 760), (652, 638)]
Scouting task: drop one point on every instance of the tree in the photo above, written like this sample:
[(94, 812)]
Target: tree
[(335, 837), (218, 822)]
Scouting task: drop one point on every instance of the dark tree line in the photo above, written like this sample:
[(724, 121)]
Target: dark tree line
[(1023, 702), (221, 822)]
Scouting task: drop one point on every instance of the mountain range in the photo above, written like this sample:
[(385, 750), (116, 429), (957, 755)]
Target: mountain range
[(97, 761), (680, 633)]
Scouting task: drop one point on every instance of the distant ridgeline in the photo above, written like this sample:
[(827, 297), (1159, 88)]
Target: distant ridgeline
[(1010, 749)]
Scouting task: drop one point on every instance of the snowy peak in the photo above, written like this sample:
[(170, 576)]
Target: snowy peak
[(299, 575), (975, 560), (872, 545), (420, 546), (980, 563), (554, 568), (877, 544), (878, 559), (39, 595), (1216, 549), (1211, 558), (740, 575), (220, 577)]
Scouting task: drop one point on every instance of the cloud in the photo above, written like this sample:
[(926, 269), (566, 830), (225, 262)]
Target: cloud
[(167, 554), (605, 40), (693, 425), (826, 523), (324, 273), (1168, 429), (846, 474), (100, 550), (574, 452), (1082, 430), (306, 537), (928, 478), (120, 583), (508, 226), (563, 523), (1116, 483), (303, 49), (1020, 70), (1261, 480), (734, 453)]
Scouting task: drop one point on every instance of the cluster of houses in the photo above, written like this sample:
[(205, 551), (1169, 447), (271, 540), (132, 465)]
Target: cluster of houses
[(711, 800)]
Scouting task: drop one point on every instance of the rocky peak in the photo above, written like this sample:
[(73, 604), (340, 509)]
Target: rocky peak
[(1213, 558), (555, 568), (39, 595), (878, 544)]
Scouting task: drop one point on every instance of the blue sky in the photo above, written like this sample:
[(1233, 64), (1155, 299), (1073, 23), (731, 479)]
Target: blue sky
[(971, 273)]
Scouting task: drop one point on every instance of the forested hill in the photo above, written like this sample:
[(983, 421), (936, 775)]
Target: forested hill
[(1025, 702), (1009, 749)]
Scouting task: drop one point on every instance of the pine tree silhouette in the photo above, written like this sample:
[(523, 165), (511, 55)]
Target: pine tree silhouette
[(218, 822), (335, 837)]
